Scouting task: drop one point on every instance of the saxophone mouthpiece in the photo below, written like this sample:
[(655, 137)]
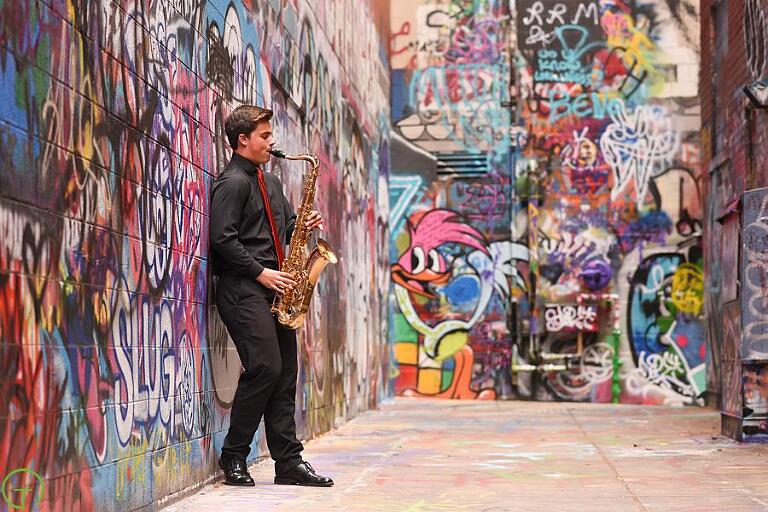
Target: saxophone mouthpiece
[(279, 153)]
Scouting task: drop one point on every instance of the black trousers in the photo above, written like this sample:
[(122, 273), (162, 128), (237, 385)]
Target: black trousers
[(267, 387)]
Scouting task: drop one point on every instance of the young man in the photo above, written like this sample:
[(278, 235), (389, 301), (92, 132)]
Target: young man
[(245, 258)]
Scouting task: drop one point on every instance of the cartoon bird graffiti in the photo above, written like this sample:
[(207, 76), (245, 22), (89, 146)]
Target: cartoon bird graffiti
[(421, 263), (421, 267)]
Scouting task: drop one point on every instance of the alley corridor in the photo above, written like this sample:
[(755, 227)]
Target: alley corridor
[(479, 222), (438, 455)]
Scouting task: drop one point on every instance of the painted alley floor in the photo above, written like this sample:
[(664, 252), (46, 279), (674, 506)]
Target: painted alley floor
[(438, 455)]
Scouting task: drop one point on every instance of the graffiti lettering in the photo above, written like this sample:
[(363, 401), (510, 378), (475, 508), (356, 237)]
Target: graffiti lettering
[(754, 300), (755, 36), (569, 318)]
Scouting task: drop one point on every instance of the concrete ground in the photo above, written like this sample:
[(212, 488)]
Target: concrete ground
[(439, 455)]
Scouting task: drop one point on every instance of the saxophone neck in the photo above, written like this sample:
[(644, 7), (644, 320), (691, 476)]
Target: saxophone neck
[(307, 157)]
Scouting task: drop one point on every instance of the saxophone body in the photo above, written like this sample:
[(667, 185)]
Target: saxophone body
[(292, 306)]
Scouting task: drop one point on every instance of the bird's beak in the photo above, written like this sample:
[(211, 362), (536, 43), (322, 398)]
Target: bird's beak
[(415, 282)]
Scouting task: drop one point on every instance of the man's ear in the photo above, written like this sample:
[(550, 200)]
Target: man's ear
[(242, 139)]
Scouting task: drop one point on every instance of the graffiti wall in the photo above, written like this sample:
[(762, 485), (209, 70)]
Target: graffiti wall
[(754, 314), (609, 199), (454, 268), (734, 150), (115, 371)]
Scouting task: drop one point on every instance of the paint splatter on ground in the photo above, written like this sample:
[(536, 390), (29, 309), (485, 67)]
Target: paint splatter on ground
[(439, 455)]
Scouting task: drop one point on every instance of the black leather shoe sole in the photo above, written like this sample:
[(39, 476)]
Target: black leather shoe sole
[(291, 481), (239, 484)]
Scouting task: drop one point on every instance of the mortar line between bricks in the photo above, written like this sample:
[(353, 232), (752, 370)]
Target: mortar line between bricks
[(605, 458)]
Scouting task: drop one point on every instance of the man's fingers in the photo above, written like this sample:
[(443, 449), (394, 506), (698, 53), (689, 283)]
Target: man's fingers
[(283, 281), (314, 219), (285, 277)]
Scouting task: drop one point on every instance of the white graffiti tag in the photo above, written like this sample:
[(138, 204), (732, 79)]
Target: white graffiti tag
[(637, 144), (569, 317)]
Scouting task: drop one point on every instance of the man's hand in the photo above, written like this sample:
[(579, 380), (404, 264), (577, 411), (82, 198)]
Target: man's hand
[(314, 220), (281, 282)]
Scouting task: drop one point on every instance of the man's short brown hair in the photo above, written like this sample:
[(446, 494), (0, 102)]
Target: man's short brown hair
[(244, 120)]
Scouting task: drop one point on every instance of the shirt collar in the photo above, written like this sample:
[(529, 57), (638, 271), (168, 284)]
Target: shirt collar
[(244, 163)]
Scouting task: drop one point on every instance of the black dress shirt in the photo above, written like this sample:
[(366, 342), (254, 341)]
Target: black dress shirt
[(240, 235)]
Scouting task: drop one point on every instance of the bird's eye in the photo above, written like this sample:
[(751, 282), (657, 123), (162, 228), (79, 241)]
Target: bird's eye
[(433, 261), (418, 263)]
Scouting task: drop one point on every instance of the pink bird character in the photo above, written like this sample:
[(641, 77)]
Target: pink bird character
[(422, 263)]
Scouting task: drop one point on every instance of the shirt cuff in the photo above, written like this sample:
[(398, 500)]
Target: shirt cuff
[(255, 269)]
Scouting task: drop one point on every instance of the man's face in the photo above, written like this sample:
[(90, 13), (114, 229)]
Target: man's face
[(255, 146)]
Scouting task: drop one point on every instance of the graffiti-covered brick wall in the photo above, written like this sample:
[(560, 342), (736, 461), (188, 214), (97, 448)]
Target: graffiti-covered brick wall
[(610, 194), (116, 374), (454, 267), (734, 135)]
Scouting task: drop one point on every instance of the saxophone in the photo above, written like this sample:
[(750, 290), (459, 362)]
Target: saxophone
[(292, 306)]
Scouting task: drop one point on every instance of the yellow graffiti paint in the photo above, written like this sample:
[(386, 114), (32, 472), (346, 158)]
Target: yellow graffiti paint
[(450, 343), (429, 381), (688, 289), (132, 467), (406, 353)]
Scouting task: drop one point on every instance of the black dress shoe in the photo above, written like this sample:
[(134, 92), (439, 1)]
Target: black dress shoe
[(235, 472), (303, 474)]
